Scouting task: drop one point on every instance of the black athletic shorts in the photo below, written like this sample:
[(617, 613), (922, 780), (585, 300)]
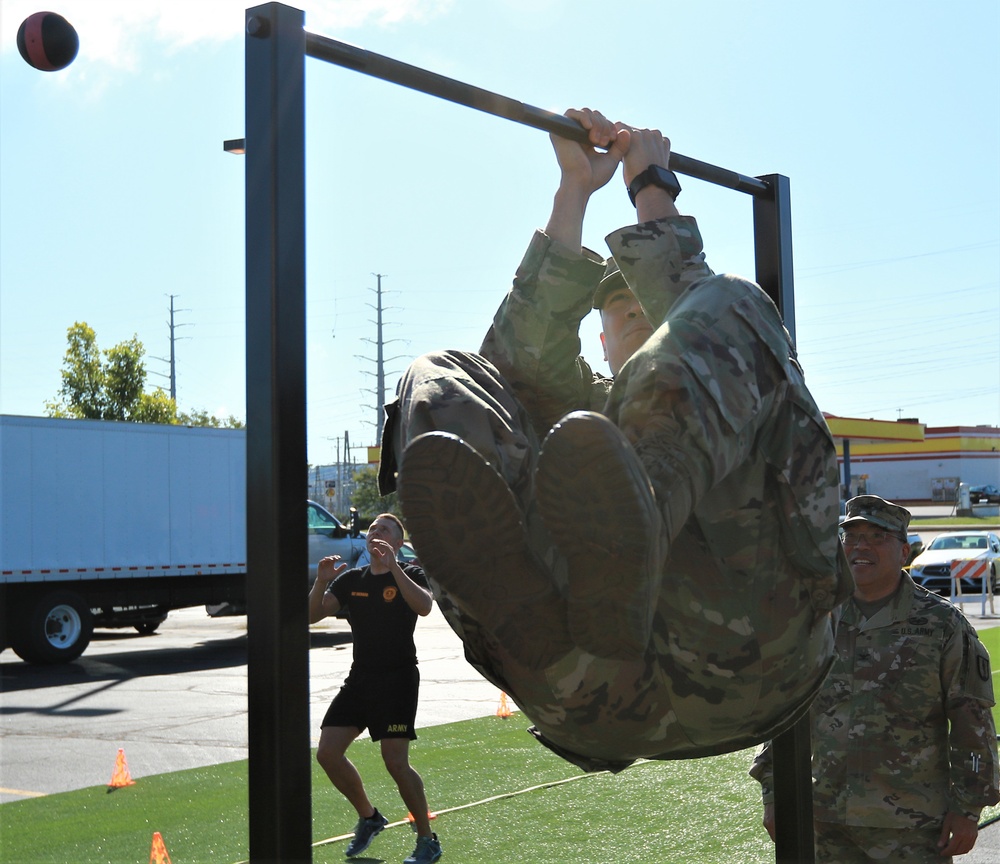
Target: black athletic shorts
[(383, 702)]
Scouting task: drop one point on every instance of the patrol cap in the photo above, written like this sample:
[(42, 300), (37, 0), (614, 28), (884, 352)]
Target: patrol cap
[(611, 279), (878, 511)]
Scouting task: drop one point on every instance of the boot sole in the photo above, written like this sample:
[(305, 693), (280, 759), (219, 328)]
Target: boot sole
[(598, 505), (469, 535)]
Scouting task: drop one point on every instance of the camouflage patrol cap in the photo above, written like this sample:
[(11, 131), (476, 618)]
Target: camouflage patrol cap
[(611, 279), (878, 511)]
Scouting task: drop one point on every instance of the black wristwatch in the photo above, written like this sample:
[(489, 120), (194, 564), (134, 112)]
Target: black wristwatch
[(654, 175)]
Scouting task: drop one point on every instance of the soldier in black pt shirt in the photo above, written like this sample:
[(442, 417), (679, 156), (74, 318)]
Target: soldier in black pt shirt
[(380, 693)]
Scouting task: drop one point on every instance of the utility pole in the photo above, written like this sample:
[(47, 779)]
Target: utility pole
[(173, 356), (379, 364), (380, 360), (347, 459), (340, 481)]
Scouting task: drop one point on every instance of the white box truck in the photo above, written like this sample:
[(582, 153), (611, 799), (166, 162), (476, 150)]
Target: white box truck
[(114, 524)]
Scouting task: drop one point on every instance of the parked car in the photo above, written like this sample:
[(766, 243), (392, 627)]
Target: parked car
[(989, 494), (932, 568), (327, 536), (916, 545)]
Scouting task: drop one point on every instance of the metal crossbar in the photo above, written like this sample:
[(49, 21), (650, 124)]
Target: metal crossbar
[(415, 78), (278, 684)]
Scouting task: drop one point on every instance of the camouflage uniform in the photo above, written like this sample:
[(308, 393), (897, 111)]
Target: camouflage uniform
[(902, 730), (743, 467)]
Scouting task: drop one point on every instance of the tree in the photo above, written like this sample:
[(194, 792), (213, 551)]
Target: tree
[(82, 388), (200, 417), (107, 385), (110, 385), (366, 497)]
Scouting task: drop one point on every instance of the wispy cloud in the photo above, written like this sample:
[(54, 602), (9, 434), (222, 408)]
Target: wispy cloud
[(113, 33)]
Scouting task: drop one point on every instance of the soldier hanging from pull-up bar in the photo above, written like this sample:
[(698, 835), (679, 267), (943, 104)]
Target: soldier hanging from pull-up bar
[(646, 563)]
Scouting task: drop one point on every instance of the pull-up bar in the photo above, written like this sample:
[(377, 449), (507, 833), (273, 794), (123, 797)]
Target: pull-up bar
[(415, 78)]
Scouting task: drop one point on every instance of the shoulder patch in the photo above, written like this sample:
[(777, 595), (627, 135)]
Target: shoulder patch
[(978, 678)]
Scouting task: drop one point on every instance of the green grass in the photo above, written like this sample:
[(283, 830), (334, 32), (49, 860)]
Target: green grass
[(990, 637), (705, 810), (973, 523)]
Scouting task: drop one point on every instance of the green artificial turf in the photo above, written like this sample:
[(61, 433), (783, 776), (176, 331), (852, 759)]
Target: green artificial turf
[(705, 810)]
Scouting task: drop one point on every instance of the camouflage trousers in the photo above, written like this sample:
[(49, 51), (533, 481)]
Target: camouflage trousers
[(741, 634), (853, 844)]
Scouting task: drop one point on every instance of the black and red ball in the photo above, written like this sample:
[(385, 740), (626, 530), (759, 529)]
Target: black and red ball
[(47, 41)]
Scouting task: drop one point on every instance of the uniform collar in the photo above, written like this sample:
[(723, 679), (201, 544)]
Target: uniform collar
[(897, 609)]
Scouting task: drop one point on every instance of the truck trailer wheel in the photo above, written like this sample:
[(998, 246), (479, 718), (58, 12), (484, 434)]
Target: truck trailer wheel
[(54, 628)]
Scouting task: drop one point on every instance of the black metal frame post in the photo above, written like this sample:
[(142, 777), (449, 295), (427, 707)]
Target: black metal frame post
[(772, 222), (276, 46), (772, 232), (280, 774)]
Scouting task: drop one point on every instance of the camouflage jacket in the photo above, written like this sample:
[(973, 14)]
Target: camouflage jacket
[(535, 344), (902, 729)]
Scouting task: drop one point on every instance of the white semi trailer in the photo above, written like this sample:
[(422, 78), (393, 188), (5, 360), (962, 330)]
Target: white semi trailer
[(114, 524)]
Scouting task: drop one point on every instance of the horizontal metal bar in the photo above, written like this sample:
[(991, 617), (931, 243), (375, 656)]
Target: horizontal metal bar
[(379, 66)]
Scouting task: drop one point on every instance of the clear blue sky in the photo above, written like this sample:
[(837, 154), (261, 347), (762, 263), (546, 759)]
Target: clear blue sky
[(115, 191)]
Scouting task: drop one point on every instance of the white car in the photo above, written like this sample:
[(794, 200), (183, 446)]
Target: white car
[(932, 567)]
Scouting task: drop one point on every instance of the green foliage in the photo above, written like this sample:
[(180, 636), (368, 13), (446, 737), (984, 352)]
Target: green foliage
[(110, 385), (124, 379), (200, 417), (107, 385), (155, 407), (82, 391), (366, 498)]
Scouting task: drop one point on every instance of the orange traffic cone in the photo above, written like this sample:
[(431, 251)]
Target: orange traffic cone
[(503, 709), (121, 776), (158, 854)]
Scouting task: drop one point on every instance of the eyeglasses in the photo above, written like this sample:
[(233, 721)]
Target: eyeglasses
[(875, 538)]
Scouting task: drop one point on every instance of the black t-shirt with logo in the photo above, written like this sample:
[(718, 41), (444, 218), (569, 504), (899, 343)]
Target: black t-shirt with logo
[(382, 621)]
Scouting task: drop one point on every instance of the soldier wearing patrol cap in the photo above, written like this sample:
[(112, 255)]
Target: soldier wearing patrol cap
[(645, 563), (878, 511), (904, 746)]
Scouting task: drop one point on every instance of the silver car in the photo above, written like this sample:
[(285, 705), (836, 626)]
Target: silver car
[(932, 567)]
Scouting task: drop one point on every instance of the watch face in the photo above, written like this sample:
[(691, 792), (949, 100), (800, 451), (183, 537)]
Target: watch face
[(664, 179)]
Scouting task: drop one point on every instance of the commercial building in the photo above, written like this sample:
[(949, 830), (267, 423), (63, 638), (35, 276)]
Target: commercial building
[(907, 461)]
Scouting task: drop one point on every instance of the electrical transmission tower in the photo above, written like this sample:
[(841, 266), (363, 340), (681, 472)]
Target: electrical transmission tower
[(173, 356), (380, 360)]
